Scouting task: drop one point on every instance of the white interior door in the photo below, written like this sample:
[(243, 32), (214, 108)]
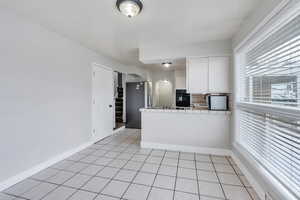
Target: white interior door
[(102, 109)]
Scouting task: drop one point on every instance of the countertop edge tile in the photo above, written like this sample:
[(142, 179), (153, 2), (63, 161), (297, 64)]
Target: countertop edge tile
[(195, 111)]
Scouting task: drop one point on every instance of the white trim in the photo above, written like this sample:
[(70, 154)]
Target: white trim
[(118, 130), (25, 174), (146, 94), (264, 22), (212, 55), (94, 64), (281, 15), (277, 25), (185, 148), (187, 77)]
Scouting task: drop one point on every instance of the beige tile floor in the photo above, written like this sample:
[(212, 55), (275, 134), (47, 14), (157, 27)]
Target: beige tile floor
[(117, 168)]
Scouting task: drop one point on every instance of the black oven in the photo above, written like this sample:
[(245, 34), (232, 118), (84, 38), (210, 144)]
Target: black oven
[(182, 98)]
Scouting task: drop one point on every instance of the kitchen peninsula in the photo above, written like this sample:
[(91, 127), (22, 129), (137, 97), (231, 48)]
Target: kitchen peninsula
[(189, 130)]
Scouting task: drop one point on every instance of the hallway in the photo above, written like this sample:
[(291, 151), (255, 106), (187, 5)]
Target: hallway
[(117, 168)]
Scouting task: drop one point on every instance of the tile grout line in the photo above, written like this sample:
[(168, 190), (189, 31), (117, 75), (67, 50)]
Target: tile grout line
[(80, 188), (152, 185), (198, 188), (57, 185), (215, 170), (78, 173), (127, 144), (62, 184), (111, 179), (130, 159), (176, 176), (89, 164), (18, 196), (241, 180), (77, 189), (116, 158), (15, 196), (137, 172)]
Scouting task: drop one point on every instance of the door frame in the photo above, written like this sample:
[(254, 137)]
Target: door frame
[(93, 66)]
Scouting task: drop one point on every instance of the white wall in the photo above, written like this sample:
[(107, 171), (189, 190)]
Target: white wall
[(157, 54), (254, 19), (45, 94), (134, 78), (163, 75)]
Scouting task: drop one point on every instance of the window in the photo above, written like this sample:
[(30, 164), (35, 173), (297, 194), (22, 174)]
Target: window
[(274, 141), (273, 68), (269, 114)]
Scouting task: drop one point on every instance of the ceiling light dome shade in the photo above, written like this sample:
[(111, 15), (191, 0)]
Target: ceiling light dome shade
[(130, 8), (166, 64)]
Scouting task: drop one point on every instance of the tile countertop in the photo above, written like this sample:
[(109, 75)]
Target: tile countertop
[(188, 110)]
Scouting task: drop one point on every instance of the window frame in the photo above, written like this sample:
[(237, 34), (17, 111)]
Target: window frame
[(239, 62), (266, 28)]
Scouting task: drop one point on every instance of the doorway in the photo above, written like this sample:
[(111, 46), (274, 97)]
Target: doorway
[(135, 99), (103, 99), (119, 97), (164, 93)]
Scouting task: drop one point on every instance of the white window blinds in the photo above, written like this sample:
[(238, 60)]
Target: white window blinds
[(274, 141), (269, 133), (273, 68)]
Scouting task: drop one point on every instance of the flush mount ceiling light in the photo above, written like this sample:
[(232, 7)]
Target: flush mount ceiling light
[(166, 64), (130, 8)]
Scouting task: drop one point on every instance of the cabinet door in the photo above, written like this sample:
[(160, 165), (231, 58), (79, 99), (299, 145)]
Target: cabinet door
[(197, 75), (180, 79), (219, 74)]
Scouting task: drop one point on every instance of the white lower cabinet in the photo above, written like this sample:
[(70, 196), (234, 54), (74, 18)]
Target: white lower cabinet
[(208, 75)]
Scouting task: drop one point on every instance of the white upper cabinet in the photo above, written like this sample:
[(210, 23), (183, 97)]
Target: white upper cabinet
[(207, 75), (180, 79), (197, 75), (219, 74)]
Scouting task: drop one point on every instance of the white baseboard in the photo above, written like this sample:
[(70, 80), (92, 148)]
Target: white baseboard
[(256, 186), (184, 148), (119, 129), (26, 174)]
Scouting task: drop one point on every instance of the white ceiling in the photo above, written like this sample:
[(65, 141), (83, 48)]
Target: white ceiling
[(98, 25)]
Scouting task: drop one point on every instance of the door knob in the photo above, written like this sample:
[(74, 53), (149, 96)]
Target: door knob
[(110, 106)]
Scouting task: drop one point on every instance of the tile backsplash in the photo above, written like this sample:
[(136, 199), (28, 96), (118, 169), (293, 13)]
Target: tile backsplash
[(198, 100)]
